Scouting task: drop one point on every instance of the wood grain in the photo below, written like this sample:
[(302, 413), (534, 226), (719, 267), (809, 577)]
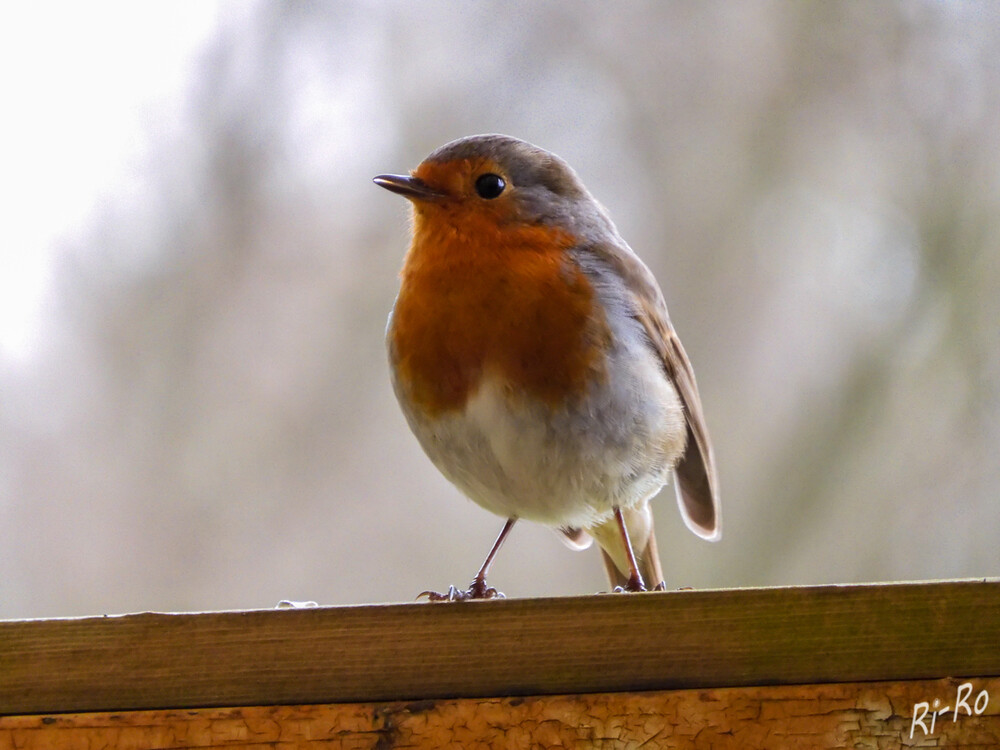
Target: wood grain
[(595, 644), (810, 717)]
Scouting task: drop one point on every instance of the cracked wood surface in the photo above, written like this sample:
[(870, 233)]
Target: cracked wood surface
[(813, 717), (590, 644)]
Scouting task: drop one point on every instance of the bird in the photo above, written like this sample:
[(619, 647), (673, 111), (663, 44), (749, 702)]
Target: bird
[(532, 356)]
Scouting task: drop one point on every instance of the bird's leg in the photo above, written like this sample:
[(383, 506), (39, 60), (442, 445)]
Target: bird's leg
[(635, 582), (478, 589), (478, 586)]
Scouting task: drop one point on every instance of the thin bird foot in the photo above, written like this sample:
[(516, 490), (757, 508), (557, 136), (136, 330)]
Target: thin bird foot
[(477, 590), (633, 585)]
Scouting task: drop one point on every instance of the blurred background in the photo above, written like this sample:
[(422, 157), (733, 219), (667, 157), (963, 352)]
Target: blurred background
[(195, 274)]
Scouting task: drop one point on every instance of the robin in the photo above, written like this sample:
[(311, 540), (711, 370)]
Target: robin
[(531, 353)]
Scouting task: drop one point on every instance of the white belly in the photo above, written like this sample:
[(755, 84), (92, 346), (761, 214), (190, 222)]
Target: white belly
[(564, 467)]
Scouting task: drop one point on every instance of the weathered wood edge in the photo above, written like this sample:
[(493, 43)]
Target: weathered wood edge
[(593, 644), (790, 717)]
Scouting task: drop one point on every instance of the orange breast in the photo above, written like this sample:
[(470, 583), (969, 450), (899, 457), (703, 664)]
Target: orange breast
[(495, 298)]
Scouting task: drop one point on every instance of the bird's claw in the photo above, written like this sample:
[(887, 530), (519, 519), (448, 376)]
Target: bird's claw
[(636, 585), (632, 586), (477, 590)]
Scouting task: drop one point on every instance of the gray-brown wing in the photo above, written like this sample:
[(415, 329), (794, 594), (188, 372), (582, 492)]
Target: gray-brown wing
[(695, 479), (694, 475)]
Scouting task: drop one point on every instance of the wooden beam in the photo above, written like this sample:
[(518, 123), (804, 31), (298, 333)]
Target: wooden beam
[(810, 717), (593, 644)]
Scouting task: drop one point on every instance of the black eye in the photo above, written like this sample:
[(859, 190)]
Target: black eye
[(489, 185)]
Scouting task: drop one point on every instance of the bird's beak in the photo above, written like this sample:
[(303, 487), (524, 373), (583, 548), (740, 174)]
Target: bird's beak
[(409, 187)]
